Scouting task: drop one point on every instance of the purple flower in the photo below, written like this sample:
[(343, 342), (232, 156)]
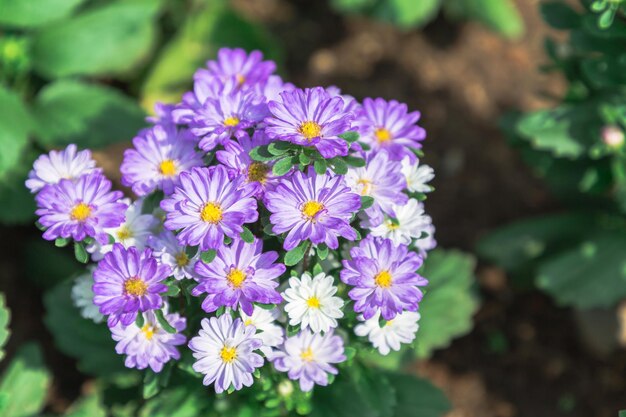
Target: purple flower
[(208, 205), (272, 88), (308, 358), (240, 274), (169, 252), (158, 159), (310, 117), (382, 180), (236, 157), (59, 165), (150, 345), (388, 125), (246, 69), (162, 115), (384, 278), (128, 281), (314, 207), (224, 352), (80, 208)]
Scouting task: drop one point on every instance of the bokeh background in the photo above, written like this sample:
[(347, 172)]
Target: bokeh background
[(524, 357)]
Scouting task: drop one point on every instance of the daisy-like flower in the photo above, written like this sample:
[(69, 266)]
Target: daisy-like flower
[(208, 205), (267, 330), (58, 165), (314, 207), (169, 252), (309, 358), (246, 69), (311, 302), (388, 125), (82, 297), (384, 278), (272, 88), (135, 230), (405, 223), (417, 176), (224, 352), (239, 275), (128, 281), (310, 117), (236, 157), (81, 208), (380, 179), (150, 345), (158, 158), (392, 334)]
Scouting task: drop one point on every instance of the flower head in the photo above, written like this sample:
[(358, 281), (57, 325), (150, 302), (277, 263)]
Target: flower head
[(308, 357), (314, 207), (82, 297), (157, 160), (208, 205), (246, 69), (81, 208), (384, 278), (388, 125), (267, 330), (417, 176), (311, 302), (310, 117), (224, 352), (390, 335), (169, 252), (405, 223), (149, 345), (128, 281), (58, 165), (239, 275)]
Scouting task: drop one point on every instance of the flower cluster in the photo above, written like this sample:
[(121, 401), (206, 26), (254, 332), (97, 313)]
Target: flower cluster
[(266, 219)]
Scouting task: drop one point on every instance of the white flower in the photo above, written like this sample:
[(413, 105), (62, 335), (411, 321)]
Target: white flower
[(171, 253), (417, 176), (267, 330), (133, 232), (82, 296), (58, 165), (410, 222), (427, 243), (390, 335), (310, 302)]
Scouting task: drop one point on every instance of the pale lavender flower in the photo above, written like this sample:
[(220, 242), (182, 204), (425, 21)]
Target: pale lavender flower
[(309, 358), (169, 252), (58, 165), (246, 69), (225, 353)]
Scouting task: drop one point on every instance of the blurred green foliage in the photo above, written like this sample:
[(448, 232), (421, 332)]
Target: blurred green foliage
[(501, 16), (578, 147)]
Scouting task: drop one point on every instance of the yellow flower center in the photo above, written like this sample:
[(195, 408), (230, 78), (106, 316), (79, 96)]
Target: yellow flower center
[(135, 286), (388, 323), (311, 208), (231, 121), (240, 79), (167, 168), (211, 213), (392, 226), (124, 233), (248, 322), (228, 354), (307, 355), (313, 302), (181, 259), (149, 330), (80, 212), (382, 135), (383, 279), (236, 277), (257, 172), (365, 186), (310, 130)]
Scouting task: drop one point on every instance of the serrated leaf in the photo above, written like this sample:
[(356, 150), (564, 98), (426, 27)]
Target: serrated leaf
[(82, 339), (87, 114), (111, 39), (5, 316), (451, 276), (416, 397), (15, 125), (31, 13), (296, 254), (25, 383)]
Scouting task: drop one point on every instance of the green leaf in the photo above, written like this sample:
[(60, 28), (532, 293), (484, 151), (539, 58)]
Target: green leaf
[(261, 153), (282, 166), (320, 166), (409, 13), (416, 397), (322, 251), (450, 276), (82, 339), (15, 126), (140, 321), (87, 114), (151, 385), (5, 316), (560, 15), (163, 322), (279, 148), (348, 6), (501, 16), (296, 254), (81, 253), (61, 242), (88, 406), (350, 136), (592, 274), (354, 161), (18, 204), (33, 13), (247, 235), (181, 401), (24, 384), (366, 202), (111, 39), (339, 166), (208, 256)]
